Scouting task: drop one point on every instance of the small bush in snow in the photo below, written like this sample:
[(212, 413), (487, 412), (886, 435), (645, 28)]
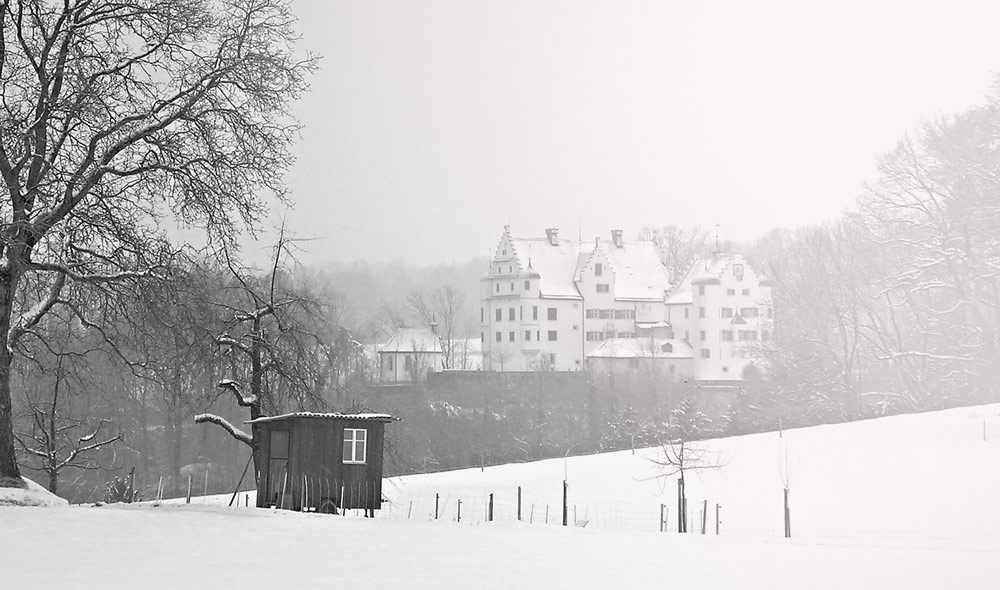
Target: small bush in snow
[(122, 489)]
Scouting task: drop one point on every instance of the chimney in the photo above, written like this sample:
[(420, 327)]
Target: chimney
[(552, 234), (616, 237)]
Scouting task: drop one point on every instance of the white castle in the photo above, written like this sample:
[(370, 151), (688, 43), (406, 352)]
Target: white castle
[(608, 306)]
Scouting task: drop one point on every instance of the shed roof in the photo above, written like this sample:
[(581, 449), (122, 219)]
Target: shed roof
[(371, 416)]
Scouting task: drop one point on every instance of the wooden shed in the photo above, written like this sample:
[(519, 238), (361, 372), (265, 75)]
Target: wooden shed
[(320, 462)]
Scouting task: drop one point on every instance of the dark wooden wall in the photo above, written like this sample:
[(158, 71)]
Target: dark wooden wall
[(316, 470)]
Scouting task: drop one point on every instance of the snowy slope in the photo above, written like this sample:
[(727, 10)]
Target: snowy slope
[(903, 502), (32, 495)]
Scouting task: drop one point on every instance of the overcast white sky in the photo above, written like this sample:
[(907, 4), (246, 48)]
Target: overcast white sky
[(432, 123)]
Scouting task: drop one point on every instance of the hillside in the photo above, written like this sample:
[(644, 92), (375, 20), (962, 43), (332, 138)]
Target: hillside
[(902, 502)]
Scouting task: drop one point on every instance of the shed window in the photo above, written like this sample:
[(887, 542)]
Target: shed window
[(355, 445)]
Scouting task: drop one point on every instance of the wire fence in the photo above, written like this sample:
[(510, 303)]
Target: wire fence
[(519, 505)]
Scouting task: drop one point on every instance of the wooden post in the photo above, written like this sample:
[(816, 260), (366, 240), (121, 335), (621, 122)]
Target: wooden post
[(565, 504), (519, 503), (788, 517), (437, 500), (662, 508), (188, 499), (546, 514), (343, 511), (575, 519), (206, 483), (284, 491), (459, 510), (409, 511), (717, 508), (704, 515), (246, 500), (531, 515), (489, 515), (237, 490), (680, 506)]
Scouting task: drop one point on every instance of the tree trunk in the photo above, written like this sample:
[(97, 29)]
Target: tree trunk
[(8, 459), (54, 481)]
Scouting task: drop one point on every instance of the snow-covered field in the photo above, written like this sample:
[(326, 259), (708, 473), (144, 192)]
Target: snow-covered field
[(902, 502)]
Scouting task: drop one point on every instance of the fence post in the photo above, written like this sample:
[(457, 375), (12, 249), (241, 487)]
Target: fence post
[(409, 511), (188, 500), (206, 483), (490, 515), (704, 515), (565, 505), (717, 507), (437, 500), (460, 510), (531, 515), (546, 514), (519, 503), (662, 508)]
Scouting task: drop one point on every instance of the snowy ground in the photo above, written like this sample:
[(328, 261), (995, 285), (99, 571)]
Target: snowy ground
[(903, 502)]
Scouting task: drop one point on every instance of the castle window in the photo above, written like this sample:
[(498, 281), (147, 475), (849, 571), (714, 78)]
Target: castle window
[(701, 289), (552, 336), (701, 312), (499, 336), (598, 270), (527, 285), (553, 312), (499, 315), (511, 336), (726, 312), (527, 335), (706, 353), (603, 288), (534, 312), (511, 315)]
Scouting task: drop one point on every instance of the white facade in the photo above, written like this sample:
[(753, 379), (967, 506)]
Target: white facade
[(409, 355), (724, 311)]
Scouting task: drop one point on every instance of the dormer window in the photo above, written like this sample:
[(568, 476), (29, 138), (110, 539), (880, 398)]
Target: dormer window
[(598, 270), (527, 285)]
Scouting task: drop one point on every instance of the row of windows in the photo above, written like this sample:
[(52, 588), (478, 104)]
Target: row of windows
[(513, 313), (512, 336), (601, 336), (729, 292), (727, 312), (610, 314), (527, 286)]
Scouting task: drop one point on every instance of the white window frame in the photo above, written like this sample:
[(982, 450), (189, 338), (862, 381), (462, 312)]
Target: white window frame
[(351, 438)]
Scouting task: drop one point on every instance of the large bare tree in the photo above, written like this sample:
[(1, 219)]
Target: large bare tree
[(117, 115)]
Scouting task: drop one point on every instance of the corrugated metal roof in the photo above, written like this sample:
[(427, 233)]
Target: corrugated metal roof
[(372, 416)]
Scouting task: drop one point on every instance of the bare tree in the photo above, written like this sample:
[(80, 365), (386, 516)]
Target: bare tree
[(58, 440), (679, 247), (275, 339), (680, 455), (441, 311), (118, 114)]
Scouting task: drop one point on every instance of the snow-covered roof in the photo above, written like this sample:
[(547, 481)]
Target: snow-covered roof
[(659, 348), (555, 265), (702, 272), (412, 340), (639, 273), (375, 417)]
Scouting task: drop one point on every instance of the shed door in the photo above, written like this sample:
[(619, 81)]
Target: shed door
[(277, 469)]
